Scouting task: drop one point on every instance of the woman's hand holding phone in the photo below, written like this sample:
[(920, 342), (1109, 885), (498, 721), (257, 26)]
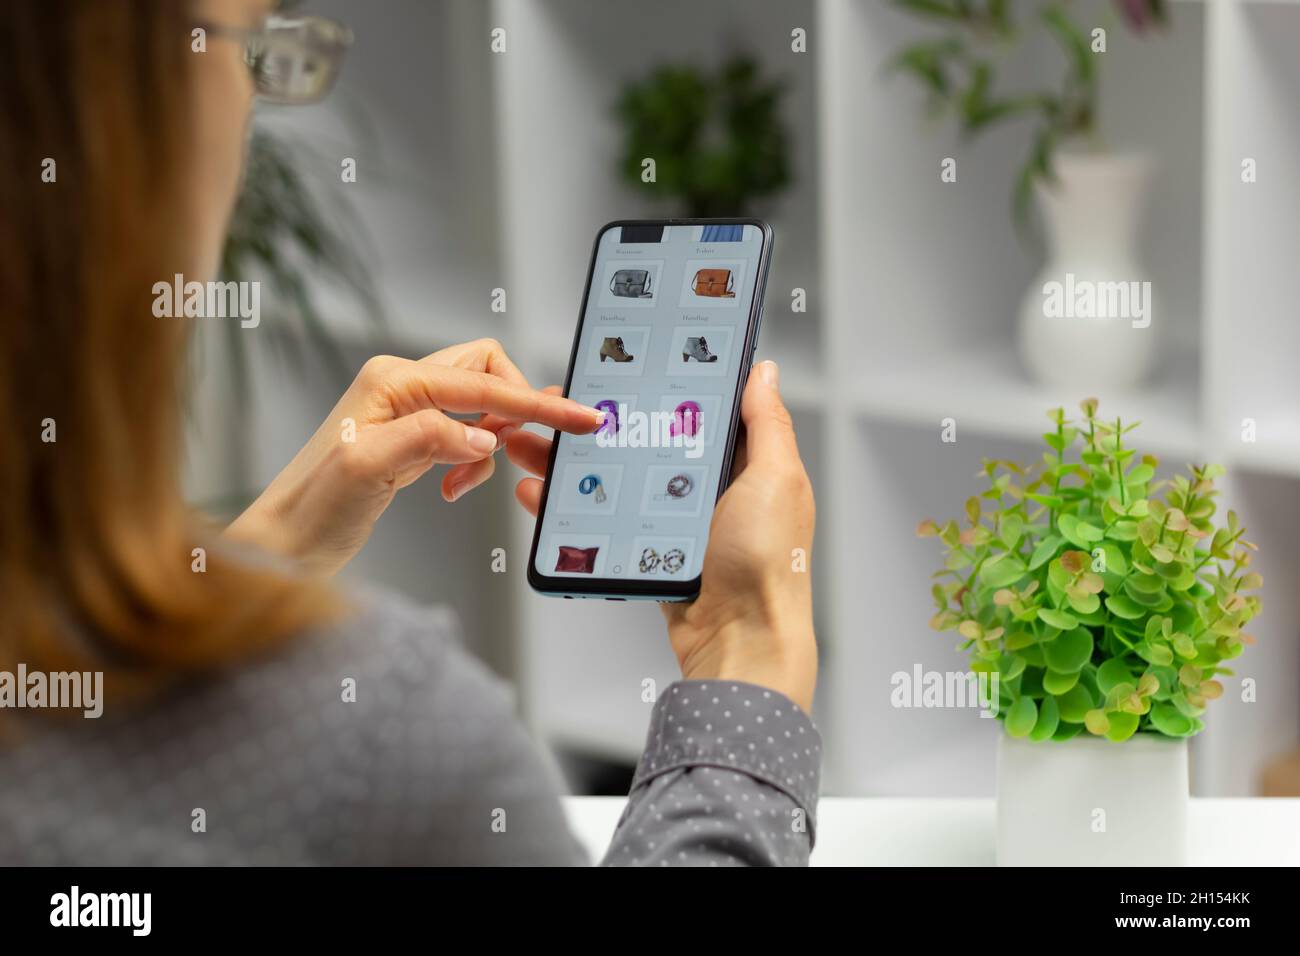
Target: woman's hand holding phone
[(387, 430), (753, 618)]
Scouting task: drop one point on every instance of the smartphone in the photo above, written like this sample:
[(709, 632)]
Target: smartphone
[(665, 340)]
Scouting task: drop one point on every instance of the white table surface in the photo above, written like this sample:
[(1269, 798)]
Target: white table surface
[(904, 831)]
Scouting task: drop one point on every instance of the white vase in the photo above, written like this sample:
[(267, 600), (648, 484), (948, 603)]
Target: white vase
[(1090, 802), (1081, 320)]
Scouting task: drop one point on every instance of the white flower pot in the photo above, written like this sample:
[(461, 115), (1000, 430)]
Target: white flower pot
[(1091, 802), (1091, 216)]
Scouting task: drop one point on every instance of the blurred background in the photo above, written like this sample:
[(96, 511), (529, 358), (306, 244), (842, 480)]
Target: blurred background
[(487, 160)]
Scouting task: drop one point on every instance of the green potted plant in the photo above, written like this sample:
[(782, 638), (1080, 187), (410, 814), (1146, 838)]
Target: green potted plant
[(1107, 603), (716, 138), (1090, 197)]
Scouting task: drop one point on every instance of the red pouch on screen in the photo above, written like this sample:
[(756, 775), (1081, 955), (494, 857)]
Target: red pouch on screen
[(576, 560)]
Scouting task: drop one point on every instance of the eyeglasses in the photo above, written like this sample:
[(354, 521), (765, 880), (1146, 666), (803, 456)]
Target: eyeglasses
[(294, 60)]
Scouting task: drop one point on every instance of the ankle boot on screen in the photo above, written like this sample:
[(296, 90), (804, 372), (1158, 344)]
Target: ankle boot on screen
[(612, 348), (697, 348)]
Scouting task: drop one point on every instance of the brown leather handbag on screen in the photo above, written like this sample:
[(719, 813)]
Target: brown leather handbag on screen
[(715, 283)]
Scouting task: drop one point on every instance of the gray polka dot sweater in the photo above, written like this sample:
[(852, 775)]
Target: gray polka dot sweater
[(730, 776), (383, 742)]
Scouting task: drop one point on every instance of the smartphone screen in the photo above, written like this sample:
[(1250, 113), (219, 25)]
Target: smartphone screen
[(665, 339)]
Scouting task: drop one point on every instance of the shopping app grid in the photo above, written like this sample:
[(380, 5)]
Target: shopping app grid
[(663, 332)]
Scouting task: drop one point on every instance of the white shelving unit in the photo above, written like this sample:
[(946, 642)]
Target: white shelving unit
[(1250, 352), (912, 289), (889, 225)]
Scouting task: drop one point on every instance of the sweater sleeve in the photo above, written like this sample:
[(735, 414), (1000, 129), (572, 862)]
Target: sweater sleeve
[(450, 775), (730, 776)]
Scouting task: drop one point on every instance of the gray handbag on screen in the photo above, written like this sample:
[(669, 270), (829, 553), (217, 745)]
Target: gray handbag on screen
[(631, 284)]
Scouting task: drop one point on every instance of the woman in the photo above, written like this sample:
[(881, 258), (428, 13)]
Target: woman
[(253, 713)]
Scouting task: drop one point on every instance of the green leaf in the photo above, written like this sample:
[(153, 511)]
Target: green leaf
[(1097, 618), (1113, 557), (1079, 533), (1123, 725), (926, 62), (1168, 678), (1050, 501), (1164, 554), (1140, 475), (1003, 570), (1096, 721), (1016, 640), (1123, 530), (1169, 721), (1075, 703), (1031, 682), (1056, 682), (1049, 718), (1066, 731), (1057, 619), (1146, 599), (1112, 673), (1146, 583), (1010, 528), (1073, 41), (1123, 606), (1021, 717), (1154, 653), (1045, 551), (1058, 576), (1033, 655), (1087, 604), (1068, 652), (1170, 570), (1010, 666)]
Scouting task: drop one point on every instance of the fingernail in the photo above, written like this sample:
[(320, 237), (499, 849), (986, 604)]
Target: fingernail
[(456, 491), (770, 373), (480, 440), (504, 434), (598, 415)]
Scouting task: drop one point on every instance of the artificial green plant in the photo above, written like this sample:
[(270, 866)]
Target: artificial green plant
[(958, 69), (716, 137), (1103, 599)]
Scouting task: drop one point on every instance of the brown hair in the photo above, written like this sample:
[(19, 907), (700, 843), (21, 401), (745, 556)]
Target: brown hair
[(95, 538)]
